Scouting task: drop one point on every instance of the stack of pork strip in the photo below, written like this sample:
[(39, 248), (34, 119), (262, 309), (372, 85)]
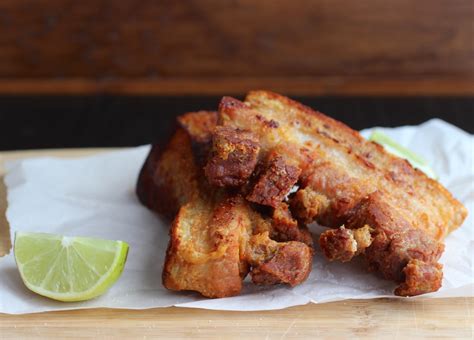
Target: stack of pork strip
[(242, 184)]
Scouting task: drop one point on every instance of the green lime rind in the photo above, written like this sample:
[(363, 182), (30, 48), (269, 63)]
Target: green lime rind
[(393, 147), (68, 268)]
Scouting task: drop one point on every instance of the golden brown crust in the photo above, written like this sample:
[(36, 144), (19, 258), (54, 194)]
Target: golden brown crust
[(199, 125), (233, 157), (420, 277), (395, 243), (212, 246), (343, 244), (209, 245), (353, 166), (274, 182), (291, 264), (204, 249), (286, 228), (170, 176), (164, 183), (395, 216), (306, 204), (347, 180)]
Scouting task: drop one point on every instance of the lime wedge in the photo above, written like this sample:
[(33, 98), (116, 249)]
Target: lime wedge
[(394, 148), (68, 268)]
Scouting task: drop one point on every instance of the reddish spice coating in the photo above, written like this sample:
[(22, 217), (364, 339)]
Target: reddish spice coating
[(291, 264), (306, 204), (274, 182), (286, 228), (395, 241), (233, 157), (394, 246), (338, 244), (390, 254), (343, 244), (420, 277)]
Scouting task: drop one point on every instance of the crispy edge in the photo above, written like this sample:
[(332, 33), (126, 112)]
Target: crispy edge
[(343, 244), (369, 155), (228, 224), (232, 158), (393, 262), (394, 245), (278, 262), (217, 273), (199, 125), (163, 184), (274, 182), (170, 176)]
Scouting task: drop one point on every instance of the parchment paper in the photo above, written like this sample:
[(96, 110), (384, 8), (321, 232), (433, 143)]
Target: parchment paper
[(94, 196)]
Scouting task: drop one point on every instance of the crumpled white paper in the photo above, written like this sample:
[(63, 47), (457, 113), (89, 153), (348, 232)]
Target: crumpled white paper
[(94, 196)]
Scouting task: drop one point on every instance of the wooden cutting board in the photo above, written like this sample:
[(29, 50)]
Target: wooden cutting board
[(381, 318)]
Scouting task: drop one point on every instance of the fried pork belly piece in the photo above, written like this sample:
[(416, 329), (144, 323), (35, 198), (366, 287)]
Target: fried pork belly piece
[(204, 249), (343, 244), (169, 178), (233, 157), (286, 228), (338, 163), (213, 245), (346, 180), (420, 277), (275, 262), (282, 227), (274, 182), (209, 248), (199, 125), (395, 242), (307, 204)]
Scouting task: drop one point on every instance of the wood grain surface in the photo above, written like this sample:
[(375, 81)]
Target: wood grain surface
[(374, 319), (211, 46), (462, 85), (358, 319)]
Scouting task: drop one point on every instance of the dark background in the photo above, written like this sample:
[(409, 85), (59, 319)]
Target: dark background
[(116, 73), (72, 121)]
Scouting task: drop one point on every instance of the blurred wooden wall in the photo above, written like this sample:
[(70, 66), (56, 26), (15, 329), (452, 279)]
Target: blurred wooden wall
[(335, 47)]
